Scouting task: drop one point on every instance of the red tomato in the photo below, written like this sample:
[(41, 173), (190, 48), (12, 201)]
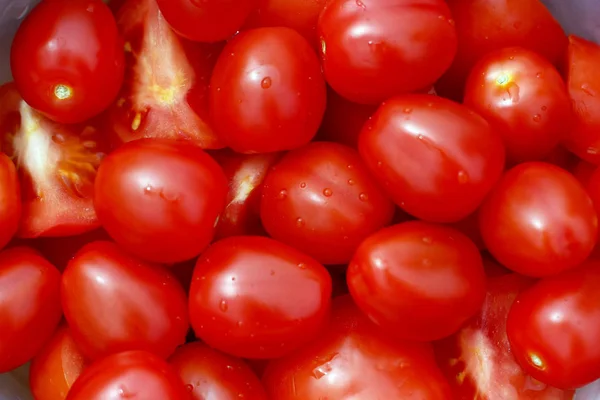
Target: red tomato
[(322, 200), (67, 59), (57, 166), (29, 305), (538, 220), (56, 367), (267, 92), (583, 172), (436, 158), (583, 84), (486, 25), (554, 326), (114, 302), (214, 375), (254, 297), (133, 374), (160, 199), (352, 359), (165, 94), (375, 49), (10, 198), (524, 98), (430, 275)]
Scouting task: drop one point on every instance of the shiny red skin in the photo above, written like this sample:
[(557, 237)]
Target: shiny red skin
[(10, 200)]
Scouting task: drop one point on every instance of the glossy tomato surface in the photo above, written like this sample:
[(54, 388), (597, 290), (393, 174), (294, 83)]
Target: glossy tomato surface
[(254, 297), (10, 200)]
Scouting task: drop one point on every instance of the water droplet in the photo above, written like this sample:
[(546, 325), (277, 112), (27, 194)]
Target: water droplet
[(303, 185), (463, 177), (451, 22), (223, 306), (300, 223), (363, 197), (189, 388), (427, 240), (537, 118), (349, 166), (148, 189), (327, 192), (407, 110), (538, 75), (511, 58), (265, 83), (361, 4), (302, 266), (379, 164), (420, 137), (282, 194), (588, 90), (240, 323), (350, 182), (544, 108)]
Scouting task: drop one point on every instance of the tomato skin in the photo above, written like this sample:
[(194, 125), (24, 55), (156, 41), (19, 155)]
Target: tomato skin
[(73, 45), (214, 375), (160, 199), (524, 98), (267, 92), (26, 278), (538, 235), (322, 200), (101, 271), (428, 274), (10, 200), (134, 374), (364, 45), (437, 159), (254, 297)]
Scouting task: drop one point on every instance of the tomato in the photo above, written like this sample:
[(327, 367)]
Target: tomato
[(29, 305), (583, 172), (114, 302), (165, 94), (322, 200), (538, 220), (553, 328), (352, 359), (524, 98), (56, 367), (437, 159), (418, 280), (254, 297), (267, 92), (583, 84), (160, 199), (133, 374), (374, 49), (486, 25), (67, 59), (10, 199), (214, 375)]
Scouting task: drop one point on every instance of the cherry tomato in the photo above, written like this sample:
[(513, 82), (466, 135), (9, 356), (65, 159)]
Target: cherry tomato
[(114, 302), (553, 328), (373, 49), (322, 200), (254, 297), (418, 280), (133, 374), (10, 199), (267, 92), (160, 199), (67, 59), (29, 305), (214, 375), (524, 98), (538, 220), (436, 158)]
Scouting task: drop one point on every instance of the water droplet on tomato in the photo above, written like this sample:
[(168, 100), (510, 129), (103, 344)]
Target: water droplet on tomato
[(349, 166), (544, 108), (327, 192), (300, 223), (189, 388), (427, 240), (537, 118), (223, 306), (361, 4), (302, 266), (407, 110), (538, 75), (148, 189), (350, 182), (363, 197), (463, 177), (265, 83), (303, 185), (282, 194)]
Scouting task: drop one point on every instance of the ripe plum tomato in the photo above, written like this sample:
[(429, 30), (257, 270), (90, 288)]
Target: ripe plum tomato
[(165, 94), (132, 374), (114, 302), (553, 328), (67, 59), (353, 359), (56, 164), (428, 274), (524, 98), (436, 158), (538, 220), (56, 367), (267, 92), (160, 199), (254, 297), (583, 84), (206, 20), (10, 198), (29, 305), (322, 200), (214, 375), (486, 25), (373, 49)]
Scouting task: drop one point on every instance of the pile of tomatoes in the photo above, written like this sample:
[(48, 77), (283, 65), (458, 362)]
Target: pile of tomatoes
[(300, 199)]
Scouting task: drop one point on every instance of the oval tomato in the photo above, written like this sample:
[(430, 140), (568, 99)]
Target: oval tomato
[(436, 158), (10, 199), (267, 92), (114, 302), (67, 59), (322, 200), (254, 297)]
